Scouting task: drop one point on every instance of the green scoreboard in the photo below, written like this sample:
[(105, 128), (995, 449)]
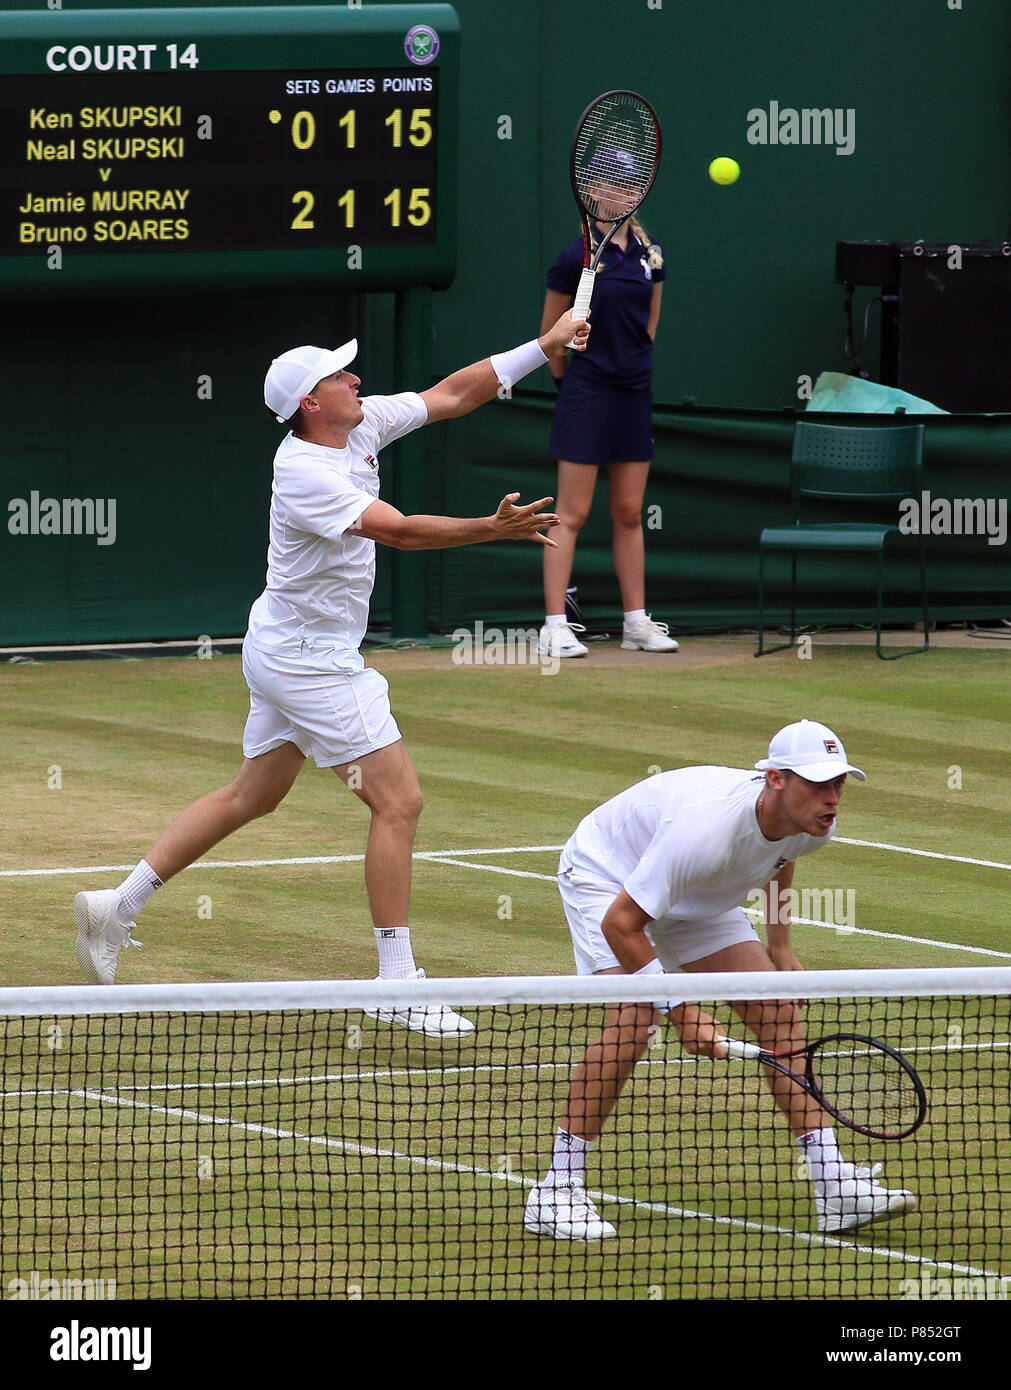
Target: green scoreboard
[(214, 148)]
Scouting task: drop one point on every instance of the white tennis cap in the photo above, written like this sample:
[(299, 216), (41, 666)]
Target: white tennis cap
[(295, 373), (810, 749)]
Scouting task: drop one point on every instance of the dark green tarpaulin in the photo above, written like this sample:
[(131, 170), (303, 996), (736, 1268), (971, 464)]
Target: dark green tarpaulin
[(718, 478), (191, 526)]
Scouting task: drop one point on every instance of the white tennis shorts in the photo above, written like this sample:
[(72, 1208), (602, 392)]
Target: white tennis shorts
[(676, 942), (297, 695)]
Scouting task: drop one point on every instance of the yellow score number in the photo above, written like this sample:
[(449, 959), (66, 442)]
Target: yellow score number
[(419, 131), (419, 208), (305, 202), (419, 127)]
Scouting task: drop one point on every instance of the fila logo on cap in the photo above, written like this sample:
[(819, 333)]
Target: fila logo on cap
[(810, 749)]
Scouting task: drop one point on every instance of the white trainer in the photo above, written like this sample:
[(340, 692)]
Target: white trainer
[(647, 636), (561, 641), (566, 1213), (100, 935), (855, 1201), (435, 1020)]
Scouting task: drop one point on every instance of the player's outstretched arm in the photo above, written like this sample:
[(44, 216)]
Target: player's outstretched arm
[(384, 523), (472, 386)]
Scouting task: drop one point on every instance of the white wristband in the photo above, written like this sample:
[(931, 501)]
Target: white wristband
[(518, 362), (662, 1006)]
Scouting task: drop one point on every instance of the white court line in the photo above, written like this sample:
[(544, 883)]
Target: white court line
[(395, 1073), (443, 856), (798, 921), (836, 840), (923, 853), (682, 1213), (487, 868), (201, 864), (508, 849), (438, 854), (894, 936)]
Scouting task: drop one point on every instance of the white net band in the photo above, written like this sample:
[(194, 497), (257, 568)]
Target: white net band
[(500, 990)]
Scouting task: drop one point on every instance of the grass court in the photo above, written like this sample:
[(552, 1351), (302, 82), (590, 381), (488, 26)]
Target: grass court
[(331, 1181)]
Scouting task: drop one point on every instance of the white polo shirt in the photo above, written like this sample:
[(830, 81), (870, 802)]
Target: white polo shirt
[(684, 844), (320, 573)]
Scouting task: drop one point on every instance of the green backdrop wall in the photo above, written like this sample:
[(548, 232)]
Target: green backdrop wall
[(719, 477), (101, 400)]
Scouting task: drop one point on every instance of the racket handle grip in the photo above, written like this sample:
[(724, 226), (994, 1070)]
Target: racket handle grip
[(742, 1051), (584, 293)]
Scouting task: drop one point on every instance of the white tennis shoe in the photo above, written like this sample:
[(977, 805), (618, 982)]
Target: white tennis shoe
[(435, 1020), (566, 1213), (647, 636), (100, 935), (856, 1201), (560, 641)]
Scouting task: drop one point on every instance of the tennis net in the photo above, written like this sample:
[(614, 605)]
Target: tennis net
[(270, 1141)]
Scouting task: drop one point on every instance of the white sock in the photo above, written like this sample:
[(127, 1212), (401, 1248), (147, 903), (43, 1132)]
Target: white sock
[(636, 617), (396, 959), (135, 892), (554, 620), (825, 1164), (568, 1160)]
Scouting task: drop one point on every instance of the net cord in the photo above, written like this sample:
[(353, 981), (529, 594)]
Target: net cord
[(270, 995)]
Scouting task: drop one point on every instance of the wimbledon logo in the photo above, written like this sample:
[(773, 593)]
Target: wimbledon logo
[(421, 44)]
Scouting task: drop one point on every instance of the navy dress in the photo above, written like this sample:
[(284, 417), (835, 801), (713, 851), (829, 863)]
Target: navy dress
[(605, 405)]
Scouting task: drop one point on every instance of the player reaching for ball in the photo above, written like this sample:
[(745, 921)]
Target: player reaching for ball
[(653, 881), (309, 690)]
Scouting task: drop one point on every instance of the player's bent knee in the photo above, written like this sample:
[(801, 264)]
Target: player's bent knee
[(254, 802), (403, 806), (786, 1013), (631, 1033), (411, 803), (774, 1018), (260, 806)]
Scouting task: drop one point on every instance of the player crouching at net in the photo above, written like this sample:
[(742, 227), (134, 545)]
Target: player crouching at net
[(653, 881), (309, 689)]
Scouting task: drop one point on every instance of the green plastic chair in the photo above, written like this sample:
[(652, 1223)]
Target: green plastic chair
[(846, 463)]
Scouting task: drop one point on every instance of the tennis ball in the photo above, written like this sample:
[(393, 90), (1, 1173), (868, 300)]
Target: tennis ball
[(724, 170)]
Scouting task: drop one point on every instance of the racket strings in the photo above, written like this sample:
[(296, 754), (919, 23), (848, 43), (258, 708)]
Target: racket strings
[(867, 1084), (616, 154)]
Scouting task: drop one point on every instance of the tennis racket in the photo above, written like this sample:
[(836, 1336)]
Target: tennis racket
[(613, 161), (861, 1082)]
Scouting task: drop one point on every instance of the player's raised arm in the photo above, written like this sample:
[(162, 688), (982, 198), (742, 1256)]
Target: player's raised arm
[(472, 386), (386, 524)]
